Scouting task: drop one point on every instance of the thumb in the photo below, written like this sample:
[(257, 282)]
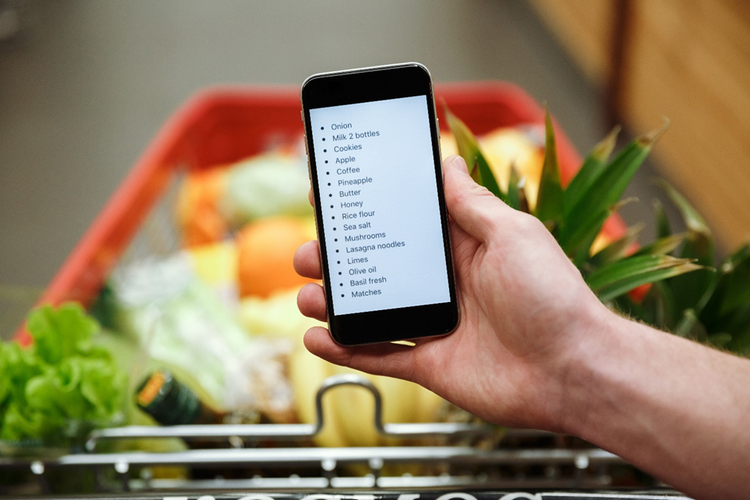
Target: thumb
[(472, 207)]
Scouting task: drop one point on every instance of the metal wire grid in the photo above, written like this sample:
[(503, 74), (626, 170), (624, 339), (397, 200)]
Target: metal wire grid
[(297, 465)]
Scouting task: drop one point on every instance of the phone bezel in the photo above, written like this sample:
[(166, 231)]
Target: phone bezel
[(368, 85)]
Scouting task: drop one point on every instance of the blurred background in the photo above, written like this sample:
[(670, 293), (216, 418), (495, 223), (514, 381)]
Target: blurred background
[(85, 85)]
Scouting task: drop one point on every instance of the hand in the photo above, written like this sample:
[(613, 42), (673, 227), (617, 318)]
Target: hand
[(524, 310), (535, 348)]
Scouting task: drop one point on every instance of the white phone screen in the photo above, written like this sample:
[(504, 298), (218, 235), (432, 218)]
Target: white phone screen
[(379, 200)]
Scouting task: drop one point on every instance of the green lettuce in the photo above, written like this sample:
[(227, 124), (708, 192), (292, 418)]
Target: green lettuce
[(62, 386)]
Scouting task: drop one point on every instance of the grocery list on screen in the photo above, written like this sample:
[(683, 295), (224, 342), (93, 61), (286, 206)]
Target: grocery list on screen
[(379, 201)]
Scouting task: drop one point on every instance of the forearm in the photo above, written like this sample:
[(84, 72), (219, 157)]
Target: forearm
[(674, 408)]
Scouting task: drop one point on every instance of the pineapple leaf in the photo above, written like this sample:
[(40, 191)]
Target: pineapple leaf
[(576, 243), (690, 215), (662, 246), (523, 201), (550, 199), (720, 340), (514, 188), (622, 287), (691, 291), (622, 276), (656, 308), (468, 147), (740, 342), (660, 301), (487, 177), (690, 327), (737, 278), (617, 249), (732, 291), (738, 258), (609, 186), (630, 266), (592, 167), (699, 243), (663, 228)]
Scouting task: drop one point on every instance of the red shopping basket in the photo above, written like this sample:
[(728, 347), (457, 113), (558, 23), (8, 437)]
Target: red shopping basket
[(226, 124)]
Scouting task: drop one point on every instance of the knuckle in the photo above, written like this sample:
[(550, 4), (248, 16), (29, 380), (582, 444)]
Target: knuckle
[(528, 223)]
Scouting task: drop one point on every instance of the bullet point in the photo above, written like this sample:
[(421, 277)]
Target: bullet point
[(324, 138), (322, 128), (338, 262), (330, 195), (329, 183), (334, 228), (328, 173), (326, 161), (331, 206), (335, 239), (342, 294), (325, 150), (337, 251), (341, 284), (339, 273)]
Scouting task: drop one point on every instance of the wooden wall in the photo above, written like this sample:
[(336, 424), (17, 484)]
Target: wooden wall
[(688, 60)]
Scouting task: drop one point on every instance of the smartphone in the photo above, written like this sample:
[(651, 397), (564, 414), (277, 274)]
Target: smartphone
[(373, 151)]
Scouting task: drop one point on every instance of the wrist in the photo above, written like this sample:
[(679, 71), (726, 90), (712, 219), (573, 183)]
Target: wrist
[(669, 406), (600, 337)]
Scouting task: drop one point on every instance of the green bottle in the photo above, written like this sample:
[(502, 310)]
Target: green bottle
[(171, 402)]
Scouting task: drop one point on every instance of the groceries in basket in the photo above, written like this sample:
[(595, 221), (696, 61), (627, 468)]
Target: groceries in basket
[(221, 313), (215, 201), (217, 317)]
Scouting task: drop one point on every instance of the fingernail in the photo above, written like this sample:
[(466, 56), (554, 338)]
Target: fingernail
[(458, 163)]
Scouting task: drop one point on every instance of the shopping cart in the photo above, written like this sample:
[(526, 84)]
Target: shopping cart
[(223, 125)]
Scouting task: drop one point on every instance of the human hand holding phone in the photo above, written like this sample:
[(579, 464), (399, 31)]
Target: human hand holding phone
[(516, 326)]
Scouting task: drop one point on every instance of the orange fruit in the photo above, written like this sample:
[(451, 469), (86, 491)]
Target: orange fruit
[(265, 251)]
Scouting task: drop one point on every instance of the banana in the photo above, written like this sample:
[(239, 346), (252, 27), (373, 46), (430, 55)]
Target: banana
[(348, 411), (275, 316), (307, 372), (403, 402), (428, 405), (355, 408)]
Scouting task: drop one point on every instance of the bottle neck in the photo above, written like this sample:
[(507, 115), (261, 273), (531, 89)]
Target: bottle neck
[(170, 402)]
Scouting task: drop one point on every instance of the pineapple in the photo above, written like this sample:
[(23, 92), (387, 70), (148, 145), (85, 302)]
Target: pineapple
[(683, 293)]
